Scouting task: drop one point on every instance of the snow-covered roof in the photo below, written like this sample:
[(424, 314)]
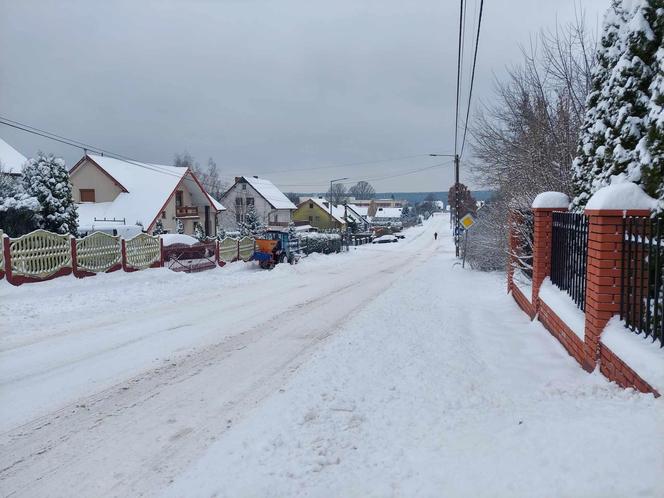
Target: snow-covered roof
[(388, 213), (338, 212), (11, 160), (361, 210), (146, 188), (218, 205), (270, 192)]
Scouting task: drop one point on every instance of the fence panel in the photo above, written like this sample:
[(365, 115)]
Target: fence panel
[(246, 248), (642, 292), (98, 252), (39, 255), (569, 254), (142, 251), (228, 250)]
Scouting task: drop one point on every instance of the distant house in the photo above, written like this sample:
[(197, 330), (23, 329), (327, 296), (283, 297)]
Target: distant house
[(359, 215), (270, 204), (378, 203), (316, 212), (386, 215), (113, 192), (11, 160)]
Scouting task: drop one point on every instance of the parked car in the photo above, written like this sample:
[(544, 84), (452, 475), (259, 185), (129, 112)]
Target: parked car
[(385, 239)]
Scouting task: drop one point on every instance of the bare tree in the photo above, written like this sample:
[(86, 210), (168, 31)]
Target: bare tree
[(524, 142), (293, 197), (208, 176), (337, 194), (362, 190)]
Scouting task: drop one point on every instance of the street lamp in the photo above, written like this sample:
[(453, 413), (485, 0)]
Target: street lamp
[(330, 198)]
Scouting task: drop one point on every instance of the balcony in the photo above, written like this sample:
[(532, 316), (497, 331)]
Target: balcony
[(186, 212)]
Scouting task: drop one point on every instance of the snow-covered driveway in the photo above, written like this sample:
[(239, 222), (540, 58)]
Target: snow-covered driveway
[(388, 371)]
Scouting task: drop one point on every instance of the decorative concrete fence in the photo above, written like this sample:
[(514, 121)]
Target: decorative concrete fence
[(589, 283), (42, 255), (97, 253)]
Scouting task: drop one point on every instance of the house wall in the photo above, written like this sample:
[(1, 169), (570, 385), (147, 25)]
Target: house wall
[(169, 220), (88, 175), (314, 215), (267, 214)]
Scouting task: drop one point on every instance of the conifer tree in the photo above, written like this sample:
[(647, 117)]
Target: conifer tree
[(158, 228), (619, 136), (199, 233), (46, 178), (252, 225), (179, 226)]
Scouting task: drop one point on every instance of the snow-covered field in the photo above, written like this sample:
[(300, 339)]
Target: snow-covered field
[(386, 371)]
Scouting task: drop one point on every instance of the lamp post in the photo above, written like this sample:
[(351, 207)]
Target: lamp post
[(330, 199)]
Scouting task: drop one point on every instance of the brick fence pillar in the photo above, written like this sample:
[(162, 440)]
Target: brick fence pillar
[(603, 273), (543, 225)]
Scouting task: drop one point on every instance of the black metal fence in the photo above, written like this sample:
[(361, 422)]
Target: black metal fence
[(569, 254), (642, 296)]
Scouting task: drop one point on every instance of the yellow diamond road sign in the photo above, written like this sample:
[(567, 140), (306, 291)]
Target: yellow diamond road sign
[(467, 221)]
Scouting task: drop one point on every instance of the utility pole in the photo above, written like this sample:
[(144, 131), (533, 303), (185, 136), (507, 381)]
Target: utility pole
[(457, 206)]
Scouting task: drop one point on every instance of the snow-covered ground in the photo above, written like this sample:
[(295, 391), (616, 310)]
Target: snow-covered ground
[(386, 371)]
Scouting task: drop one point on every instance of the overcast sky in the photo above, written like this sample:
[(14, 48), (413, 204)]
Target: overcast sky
[(263, 86)]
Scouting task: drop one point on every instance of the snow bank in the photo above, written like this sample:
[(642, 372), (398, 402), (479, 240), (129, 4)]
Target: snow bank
[(623, 195), (639, 353), (563, 305), (551, 200), (178, 238)]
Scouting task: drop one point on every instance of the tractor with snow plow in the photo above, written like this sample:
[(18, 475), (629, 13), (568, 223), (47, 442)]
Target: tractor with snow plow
[(276, 247)]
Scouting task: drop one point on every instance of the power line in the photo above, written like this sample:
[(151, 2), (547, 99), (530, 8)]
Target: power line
[(472, 77), (458, 84)]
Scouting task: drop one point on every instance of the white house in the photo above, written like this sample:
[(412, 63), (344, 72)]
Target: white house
[(112, 192), (386, 215), (270, 204), (11, 160)]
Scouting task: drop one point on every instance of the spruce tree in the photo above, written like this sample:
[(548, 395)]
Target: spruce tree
[(46, 178), (179, 226), (620, 131), (252, 225)]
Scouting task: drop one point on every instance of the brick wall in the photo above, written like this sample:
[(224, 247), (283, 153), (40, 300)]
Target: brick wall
[(603, 292)]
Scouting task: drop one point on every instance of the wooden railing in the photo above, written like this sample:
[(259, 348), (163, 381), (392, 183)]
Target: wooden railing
[(186, 212)]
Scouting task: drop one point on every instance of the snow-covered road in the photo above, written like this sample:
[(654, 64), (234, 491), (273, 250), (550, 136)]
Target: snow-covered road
[(388, 371)]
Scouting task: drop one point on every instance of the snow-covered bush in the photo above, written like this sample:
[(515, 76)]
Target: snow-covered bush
[(46, 178), (325, 243), (179, 226), (158, 228), (623, 130), (199, 233)]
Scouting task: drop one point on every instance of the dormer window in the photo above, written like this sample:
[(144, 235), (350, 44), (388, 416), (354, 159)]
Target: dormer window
[(87, 194)]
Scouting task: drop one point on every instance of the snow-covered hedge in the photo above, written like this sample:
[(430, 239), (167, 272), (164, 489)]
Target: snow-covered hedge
[(325, 243)]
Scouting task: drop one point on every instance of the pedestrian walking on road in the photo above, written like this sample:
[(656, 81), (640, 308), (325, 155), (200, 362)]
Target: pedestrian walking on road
[(435, 235)]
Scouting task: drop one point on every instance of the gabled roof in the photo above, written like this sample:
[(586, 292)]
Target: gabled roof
[(269, 192), (11, 160), (338, 212), (145, 190), (388, 213)]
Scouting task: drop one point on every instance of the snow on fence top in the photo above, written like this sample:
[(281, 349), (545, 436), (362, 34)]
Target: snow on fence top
[(551, 200), (624, 195), (178, 238)]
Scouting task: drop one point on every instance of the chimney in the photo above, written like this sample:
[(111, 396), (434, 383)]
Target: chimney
[(255, 177)]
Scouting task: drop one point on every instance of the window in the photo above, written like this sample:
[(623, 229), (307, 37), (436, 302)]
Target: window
[(238, 201), (244, 186), (250, 201), (163, 215), (311, 218), (87, 195), (178, 198), (311, 205)]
